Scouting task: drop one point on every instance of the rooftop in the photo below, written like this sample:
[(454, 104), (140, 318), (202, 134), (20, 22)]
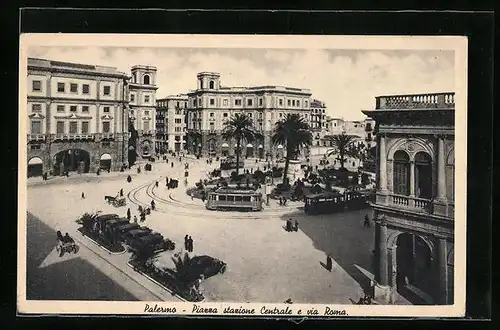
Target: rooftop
[(43, 63)]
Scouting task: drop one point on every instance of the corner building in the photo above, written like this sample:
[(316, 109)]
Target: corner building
[(171, 123), (142, 112), (414, 207), (76, 117), (211, 105)]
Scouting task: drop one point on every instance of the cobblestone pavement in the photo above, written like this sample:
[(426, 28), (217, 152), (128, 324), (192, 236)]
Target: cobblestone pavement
[(265, 263)]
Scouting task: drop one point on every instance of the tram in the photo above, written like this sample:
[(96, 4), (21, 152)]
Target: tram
[(333, 202), (232, 199)]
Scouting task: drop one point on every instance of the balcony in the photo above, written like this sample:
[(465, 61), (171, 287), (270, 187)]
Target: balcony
[(107, 136), (72, 137), (36, 137), (417, 101)]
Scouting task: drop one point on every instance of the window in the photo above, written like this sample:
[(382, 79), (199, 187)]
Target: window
[(72, 108), (185, 104), (237, 102), (230, 198), (35, 146), (199, 102), (145, 125), (177, 111), (237, 198), (305, 104), (298, 103), (212, 102), (261, 127), (401, 173), (105, 126), (222, 198), (225, 102), (36, 85), (106, 109), (178, 121), (293, 102), (288, 102), (211, 114), (178, 129), (281, 102), (224, 115), (146, 98), (260, 102), (73, 127), (249, 102), (146, 113), (73, 88), (212, 126), (246, 198), (146, 79), (211, 85), (85, 108), (60, 87), (60, 127), (60, 108), (36, 107), (132, 97), (177, 104), (107, 90), (281, 115), (36, 127), (260, 115), (423, 175), (85, 127), (85, 89), (249, 115)]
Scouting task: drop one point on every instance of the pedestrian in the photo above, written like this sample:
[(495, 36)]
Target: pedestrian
[(192, 196), (152, 204), (190, 244), (203, 198), (186, 243), (143, 216), (139, 169), (128, 214), (166, 181), (135, 218), (121, 192), (296, 227), (284, 201), (366, 223), (329, 263), (83, 195), (156, 184), (172, 164), (289, 225), (281, 200)]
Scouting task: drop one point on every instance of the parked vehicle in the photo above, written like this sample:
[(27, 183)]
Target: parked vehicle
[(153, 241), (133, 234), (202, 265)]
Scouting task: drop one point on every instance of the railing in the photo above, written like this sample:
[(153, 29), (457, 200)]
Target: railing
[(107, 136), (72, 136), (36, 137), (411, 202), (417, 101)]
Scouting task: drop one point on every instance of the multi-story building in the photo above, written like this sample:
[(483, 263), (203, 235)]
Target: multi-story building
[(318, 122), (414, 208), (142, 103), (171, 123), (211, 105), (77, 119)]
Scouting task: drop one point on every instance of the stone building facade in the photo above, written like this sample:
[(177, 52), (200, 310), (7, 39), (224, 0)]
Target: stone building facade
[(318, 123), (211, 105), (171, 123), (414, 208), (142, 103), (76, 117)]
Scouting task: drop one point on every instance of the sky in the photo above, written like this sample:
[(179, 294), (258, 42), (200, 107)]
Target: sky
[(346, 80)]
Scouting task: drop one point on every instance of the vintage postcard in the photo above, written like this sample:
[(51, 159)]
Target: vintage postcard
[(217, 175)]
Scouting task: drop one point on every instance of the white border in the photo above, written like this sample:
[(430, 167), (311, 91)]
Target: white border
[(456, 44)]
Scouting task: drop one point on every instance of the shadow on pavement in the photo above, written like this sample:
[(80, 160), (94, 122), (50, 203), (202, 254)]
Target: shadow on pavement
[(67, 279), (342, 236)]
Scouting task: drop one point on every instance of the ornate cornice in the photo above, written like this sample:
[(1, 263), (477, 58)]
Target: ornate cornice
[(107, 116), (36, 116), (33, 98), (72, 116)]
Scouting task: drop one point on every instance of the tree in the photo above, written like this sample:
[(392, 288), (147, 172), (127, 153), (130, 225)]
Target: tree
[(195, 139), (343, 145), (292, 132), (240, 128)]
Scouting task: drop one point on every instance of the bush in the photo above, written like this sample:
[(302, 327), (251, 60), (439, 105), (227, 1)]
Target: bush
[(216, 173), (316, 189), (259, 176)]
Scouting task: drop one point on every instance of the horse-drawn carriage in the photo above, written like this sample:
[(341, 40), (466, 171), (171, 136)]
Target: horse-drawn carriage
[(65, 244), (116, 201)]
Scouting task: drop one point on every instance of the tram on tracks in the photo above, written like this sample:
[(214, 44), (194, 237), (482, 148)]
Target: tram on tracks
[(334, 202), (234, 199)]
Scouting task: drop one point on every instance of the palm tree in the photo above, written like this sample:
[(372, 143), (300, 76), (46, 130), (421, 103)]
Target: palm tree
[(292, 132), (343, 145), (240, 128)]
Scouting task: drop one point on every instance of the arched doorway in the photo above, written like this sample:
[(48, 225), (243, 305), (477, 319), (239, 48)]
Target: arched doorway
[(105, 162), (35, 167), (414, 278), (225, 149), (146, 149), (261, 151), (423, 175), (401, 173), (71, 160), (249, 150)]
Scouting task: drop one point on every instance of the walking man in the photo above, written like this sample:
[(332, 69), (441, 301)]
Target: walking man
[(121, 192), (172, 164), (186, 243), (128, 214), (329, 263), (289, 225), (83, 195), (190, 244), (296, 227), (156, 184), (366, 223)]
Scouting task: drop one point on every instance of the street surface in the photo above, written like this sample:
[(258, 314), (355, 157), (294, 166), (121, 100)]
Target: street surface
[(265, 263)]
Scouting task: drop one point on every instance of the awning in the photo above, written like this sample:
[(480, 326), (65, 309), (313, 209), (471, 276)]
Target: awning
[(225, 145), (106, 157), (249, 145), (280, 146), (35, 161), (261, 146)]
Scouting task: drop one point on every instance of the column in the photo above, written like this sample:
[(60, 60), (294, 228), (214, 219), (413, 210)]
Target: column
[(442, 264), (392, 255), (381, 253), (441, 175), (412, 178), (382, 165)]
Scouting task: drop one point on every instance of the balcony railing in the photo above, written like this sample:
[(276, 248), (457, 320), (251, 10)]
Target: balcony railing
[(72, 136), (107, 136), (417, 101), (36, 137), (411, 202)]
